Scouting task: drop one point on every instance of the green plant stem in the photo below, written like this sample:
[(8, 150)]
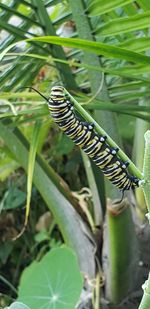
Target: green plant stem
[(138, 152), (146, 170), (97, 81), (145, 302), (7, 283), (120, 252), (132, 168), (111, 71)]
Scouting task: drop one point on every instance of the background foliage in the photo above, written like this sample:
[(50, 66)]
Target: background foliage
[(108, 73)]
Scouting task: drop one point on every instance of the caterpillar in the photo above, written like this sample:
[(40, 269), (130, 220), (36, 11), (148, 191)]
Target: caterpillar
[(94, 145)]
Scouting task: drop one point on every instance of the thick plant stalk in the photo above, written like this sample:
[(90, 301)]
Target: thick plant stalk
[(120, 252), (145, 302), (146, 170), (97, 79), (141, 128)]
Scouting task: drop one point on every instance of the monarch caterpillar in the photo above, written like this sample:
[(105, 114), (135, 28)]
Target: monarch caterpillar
[(93, 144)]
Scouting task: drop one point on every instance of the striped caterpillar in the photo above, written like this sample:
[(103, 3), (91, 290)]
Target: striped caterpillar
[(93, 144)]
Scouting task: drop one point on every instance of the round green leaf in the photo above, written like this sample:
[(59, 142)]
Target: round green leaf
[(53, 283)]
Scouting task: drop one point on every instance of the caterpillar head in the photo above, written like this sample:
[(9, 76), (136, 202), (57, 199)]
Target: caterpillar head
[(57, 93)]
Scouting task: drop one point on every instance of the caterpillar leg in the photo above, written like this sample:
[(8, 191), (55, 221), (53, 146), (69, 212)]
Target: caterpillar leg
[(134, 182), (122, 196), (89, 126), (125, 165)]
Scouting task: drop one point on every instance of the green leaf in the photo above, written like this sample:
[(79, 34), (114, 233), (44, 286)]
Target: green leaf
[(124, 25), (13, 198), (64, 145), (31, 163), (41, 236), (5, 250), (124, 72), (41, 57), (7, 166), (138, 44), (145, 5), (97, 48), (54, 282), (99, 7)]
